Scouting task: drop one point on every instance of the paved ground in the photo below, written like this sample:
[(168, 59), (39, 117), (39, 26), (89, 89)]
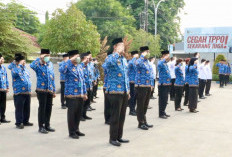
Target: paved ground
[(206, 134)]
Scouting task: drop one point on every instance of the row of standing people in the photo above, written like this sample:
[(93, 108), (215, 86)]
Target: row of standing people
[(224, 71)]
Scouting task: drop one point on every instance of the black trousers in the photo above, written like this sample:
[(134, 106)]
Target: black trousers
[(202, 84), (186, 95), (62, 98), (22, 104), (75, 106), (193, 97), (107, 107), (2, 105), (172, 89), (95, 87), (45, 108), (178, 96), (222, 80), (86, 104), (132, 101), (227, 79), (143, 99), (208, 86), (119, 104), (153, 90), (163, 98)]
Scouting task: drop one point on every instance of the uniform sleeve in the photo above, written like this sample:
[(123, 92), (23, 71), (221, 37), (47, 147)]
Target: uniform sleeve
[(53, 81), (64, 67), (12, 64), (35, 64), (7, 82)]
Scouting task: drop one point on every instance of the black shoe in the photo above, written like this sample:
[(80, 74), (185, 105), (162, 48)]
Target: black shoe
[(80, 133), (185, 104), (63, 107), (208, 94), (172, 99), (149, 126), (74, 136), (43, 130), (93, 101), (89, 109), (87, 118), (28, 124), (202, 97), (193, 111), (115, 143), (123, 140), (149, 107), (50, 129), (20, 126), (82, 119), (163, 117), (167, 115), (132, 113), (153, 97), (107, 123), (5, 121), (143, 127), (92, 108)]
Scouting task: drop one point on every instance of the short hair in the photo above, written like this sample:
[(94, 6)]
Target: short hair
[(203, 60)]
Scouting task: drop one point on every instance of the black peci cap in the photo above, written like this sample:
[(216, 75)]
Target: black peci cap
[(73, 52), (45, 51), (19, 58), (144, 48), (164, 52), (65, 55), (116, 41), (134, 52)]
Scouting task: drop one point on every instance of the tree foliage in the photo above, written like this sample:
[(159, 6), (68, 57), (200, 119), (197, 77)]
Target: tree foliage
[(70, 30), (12, 40), (217, 60), (110, 17), (168, 21), (142, 38), (25, 19)]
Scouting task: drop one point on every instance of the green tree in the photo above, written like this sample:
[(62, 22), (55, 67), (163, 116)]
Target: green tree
[(168, 20), (46, 17), (110, 17), (142, 38), (12, 40), (25, 19), (70, 30), (217, 60)]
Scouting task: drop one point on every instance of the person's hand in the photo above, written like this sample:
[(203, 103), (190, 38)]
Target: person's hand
[(54, 95), (22, 62), (7, 90), (95, 83), (129, 96), (85, 97), (42, 56)]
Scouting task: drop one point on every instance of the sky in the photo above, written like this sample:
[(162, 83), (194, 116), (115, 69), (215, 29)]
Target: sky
[(197, 13)]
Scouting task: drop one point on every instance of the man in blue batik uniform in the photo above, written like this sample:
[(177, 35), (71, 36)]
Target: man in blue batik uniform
[(45, 89), (118, 91), (4, 88), (75, 92), (22, 92), (132, 74), (88, 84), (107, 107), (62, 82), (164, 84), (143, 83), (221, 71)]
